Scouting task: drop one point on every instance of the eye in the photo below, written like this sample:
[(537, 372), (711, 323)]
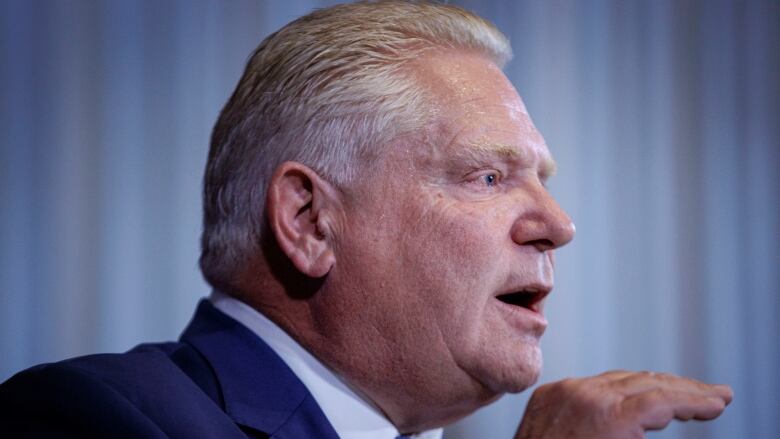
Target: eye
[(485, 180), (490, 179)]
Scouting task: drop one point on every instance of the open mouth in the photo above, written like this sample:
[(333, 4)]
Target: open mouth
[(529, 298)]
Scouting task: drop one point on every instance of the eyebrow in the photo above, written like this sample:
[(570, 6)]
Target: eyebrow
[(481, 151)]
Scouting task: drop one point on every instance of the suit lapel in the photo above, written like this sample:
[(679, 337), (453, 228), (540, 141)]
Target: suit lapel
[(258, 389)]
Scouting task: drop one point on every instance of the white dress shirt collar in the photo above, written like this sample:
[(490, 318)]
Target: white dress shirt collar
[(350, 415)]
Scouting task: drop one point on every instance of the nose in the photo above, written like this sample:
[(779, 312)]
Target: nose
[(543, 223)]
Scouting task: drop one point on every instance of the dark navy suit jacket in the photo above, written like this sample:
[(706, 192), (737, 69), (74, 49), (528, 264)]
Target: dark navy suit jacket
[(219, 381)]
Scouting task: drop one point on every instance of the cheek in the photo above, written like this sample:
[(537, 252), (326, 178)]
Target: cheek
[(455, 254)]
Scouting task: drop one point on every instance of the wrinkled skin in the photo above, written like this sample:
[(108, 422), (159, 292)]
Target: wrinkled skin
[(411, 259), (448, 220), (619, 405)]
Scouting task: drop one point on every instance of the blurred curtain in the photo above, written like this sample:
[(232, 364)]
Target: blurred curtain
[(663, 116)]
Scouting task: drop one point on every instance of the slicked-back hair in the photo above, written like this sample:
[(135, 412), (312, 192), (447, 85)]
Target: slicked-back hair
[(328, 90)]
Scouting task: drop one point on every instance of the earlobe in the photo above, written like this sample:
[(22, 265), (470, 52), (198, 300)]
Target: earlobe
[(297, 205), (322, 265)]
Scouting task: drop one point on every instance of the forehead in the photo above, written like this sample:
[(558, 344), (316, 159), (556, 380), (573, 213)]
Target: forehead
[(478, 110)]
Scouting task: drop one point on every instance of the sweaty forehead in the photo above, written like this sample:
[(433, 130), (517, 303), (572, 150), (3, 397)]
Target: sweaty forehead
[(480, 115), (465, 76)]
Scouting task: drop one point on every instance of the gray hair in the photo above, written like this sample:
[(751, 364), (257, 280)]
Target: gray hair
[(328, 90)]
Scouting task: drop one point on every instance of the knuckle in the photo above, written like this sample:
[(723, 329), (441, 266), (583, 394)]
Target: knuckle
[(549, 390), (548, 387), (613, 372), (598, 401), (666, 376), (564, 386)]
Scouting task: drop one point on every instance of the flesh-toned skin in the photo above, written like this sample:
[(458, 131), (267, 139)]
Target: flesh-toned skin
[(619, 405), (414, 254), (445, 223)]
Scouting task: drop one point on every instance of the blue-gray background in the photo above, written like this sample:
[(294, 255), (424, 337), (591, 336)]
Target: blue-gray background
[(663, 116)]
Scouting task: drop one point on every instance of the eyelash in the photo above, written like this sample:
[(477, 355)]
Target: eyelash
[(489, 180)]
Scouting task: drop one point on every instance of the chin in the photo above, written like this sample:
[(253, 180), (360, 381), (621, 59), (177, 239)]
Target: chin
[(522, 383), (517, 375)]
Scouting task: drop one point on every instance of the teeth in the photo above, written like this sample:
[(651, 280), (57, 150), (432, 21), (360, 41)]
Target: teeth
[(531, 290)]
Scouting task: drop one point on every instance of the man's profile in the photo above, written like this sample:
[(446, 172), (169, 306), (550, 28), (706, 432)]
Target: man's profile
[(380, 241)]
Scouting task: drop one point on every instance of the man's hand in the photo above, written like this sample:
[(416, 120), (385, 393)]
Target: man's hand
[(618, 405)]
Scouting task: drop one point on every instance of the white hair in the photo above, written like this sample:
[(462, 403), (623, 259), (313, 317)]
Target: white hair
[(328, 90)]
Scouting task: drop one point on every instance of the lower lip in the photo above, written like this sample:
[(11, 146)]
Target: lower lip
[(523, 318)]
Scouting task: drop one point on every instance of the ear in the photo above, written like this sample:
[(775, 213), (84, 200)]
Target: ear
[(299, 208)]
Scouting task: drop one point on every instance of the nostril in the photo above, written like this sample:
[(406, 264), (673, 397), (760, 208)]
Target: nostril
[(541, 244)]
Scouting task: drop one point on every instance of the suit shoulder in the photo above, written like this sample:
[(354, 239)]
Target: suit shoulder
[(142, 393), (69, 400)]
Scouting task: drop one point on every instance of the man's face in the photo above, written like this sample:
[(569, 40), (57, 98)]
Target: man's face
[(454, 220)]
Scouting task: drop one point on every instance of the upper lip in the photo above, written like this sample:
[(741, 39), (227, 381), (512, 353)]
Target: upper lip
[(530, 296)]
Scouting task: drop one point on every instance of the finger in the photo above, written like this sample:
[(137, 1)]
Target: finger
[(641, 382), (654, 409), (725, 392)]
